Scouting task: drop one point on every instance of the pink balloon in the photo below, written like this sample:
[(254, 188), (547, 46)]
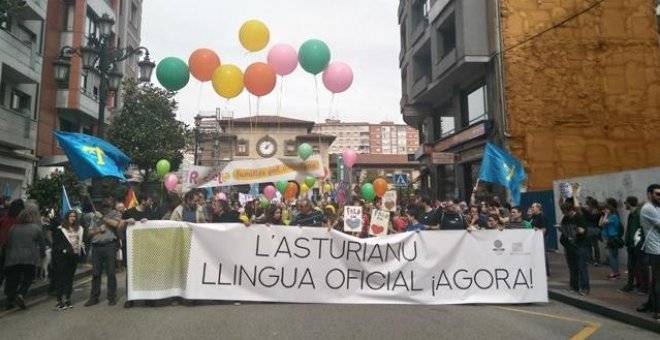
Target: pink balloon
[(171, 181), (221, 196), (349, 157), (338, 77), (283, 58), (269, 192)]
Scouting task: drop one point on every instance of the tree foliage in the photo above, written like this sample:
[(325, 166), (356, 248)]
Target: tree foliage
[(146, 128), (47, 191)]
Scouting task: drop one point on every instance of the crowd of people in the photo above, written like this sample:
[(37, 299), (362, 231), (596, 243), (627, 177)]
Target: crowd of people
[(26, 237)]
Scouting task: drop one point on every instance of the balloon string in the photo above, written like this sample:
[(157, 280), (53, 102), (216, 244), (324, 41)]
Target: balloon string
[(256, 119), (279, 103), (199, 97), (332, 102), (316, 89), (250, 113)]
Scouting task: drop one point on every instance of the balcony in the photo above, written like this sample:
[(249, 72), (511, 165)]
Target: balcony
[(17, 130), (21, 56)]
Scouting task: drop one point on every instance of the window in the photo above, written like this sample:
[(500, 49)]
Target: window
[(91, 26), (290, 148), (447, 37), (315, 150), (69, 126), (20, 102), (475, 106), (242, 148)]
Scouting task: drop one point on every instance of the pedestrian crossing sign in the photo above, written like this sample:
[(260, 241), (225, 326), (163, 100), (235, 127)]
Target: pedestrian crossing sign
[(401, 180)]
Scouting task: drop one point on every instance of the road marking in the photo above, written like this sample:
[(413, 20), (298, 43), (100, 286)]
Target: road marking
[(589, 328), (41, 299)]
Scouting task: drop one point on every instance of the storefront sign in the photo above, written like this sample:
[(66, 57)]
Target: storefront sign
[(461, 137), (443, 158)]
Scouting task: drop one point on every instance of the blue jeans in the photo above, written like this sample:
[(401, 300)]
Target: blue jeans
[(577, 266), (613, 259)]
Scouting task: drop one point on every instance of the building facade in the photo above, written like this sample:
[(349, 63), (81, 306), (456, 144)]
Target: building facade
[(21, 62), (365, 138), (569, 89), (74, 106), (222, 139)]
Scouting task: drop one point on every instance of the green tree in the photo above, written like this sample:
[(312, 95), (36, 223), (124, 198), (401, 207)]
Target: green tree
[(47, 191), (146, 128)]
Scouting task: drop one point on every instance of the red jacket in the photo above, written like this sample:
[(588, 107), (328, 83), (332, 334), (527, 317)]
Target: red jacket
[(6, 222)]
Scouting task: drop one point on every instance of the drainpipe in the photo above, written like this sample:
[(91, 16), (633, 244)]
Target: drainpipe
[(500, 73)]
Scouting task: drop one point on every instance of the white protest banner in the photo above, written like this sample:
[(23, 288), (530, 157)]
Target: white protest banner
[(353, 219), (314, 265), (244, 198), (389, 201), (380, 220), (255, 171), (198, 175)]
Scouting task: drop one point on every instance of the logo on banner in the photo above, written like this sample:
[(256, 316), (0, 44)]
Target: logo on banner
[(498, 247), (352, 219)]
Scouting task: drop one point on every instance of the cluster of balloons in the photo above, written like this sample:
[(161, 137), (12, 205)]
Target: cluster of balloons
[(371, 190), (163, 171), (259, 78)]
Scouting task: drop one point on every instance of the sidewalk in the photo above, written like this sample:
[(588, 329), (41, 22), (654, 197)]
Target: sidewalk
[(604, 299), (40, 287)]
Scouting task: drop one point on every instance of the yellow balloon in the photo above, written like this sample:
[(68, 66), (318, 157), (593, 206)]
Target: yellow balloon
[(304, 188), (254, 35), (327, 187), (227, 81)]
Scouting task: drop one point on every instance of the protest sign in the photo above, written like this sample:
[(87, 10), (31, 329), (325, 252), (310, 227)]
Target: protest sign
[(389, 201), (380, 220), (352, 219)]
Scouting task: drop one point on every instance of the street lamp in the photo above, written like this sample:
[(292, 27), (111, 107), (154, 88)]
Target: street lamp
[(102, 58)]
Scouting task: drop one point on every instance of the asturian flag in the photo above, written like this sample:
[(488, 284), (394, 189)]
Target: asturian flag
[(498, 166), (66, 205), (91, 156)]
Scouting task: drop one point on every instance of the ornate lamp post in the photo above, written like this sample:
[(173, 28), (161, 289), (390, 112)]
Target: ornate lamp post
[(99, 56)]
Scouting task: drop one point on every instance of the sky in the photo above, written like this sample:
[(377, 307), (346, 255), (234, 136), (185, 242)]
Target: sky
[(364, 34)]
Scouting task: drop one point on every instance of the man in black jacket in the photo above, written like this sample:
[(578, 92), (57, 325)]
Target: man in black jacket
[(575, 232)]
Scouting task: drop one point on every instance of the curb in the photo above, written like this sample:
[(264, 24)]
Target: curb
[(42, 288), (629, 317)]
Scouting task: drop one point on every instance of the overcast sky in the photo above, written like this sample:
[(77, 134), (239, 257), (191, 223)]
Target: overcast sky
[(364, 34)]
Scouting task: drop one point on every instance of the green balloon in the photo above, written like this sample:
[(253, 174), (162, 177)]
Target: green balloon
[(314, 56), (263, 203), (304, 151), (368, 192), (172, 73), (310, 181), (281, 186), (162, 167)]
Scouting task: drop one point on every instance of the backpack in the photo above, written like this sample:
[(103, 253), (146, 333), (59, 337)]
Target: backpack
[(453, 222)]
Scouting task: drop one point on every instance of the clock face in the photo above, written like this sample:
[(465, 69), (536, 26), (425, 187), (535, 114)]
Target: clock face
[(266, 147)]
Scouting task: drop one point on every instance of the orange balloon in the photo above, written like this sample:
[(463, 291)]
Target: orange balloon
[(291, 190), (259, 79), (380, 187), (202, 63)]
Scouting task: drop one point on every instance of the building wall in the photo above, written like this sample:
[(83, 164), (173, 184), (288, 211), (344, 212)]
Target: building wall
[(21, 63), (370, 138), (584, 98)]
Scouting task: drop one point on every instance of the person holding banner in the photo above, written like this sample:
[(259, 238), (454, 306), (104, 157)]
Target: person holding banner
[(307, 217), (189, 210), (411, 215)]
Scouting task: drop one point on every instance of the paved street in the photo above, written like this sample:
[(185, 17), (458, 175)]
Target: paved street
[(307, 321)]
